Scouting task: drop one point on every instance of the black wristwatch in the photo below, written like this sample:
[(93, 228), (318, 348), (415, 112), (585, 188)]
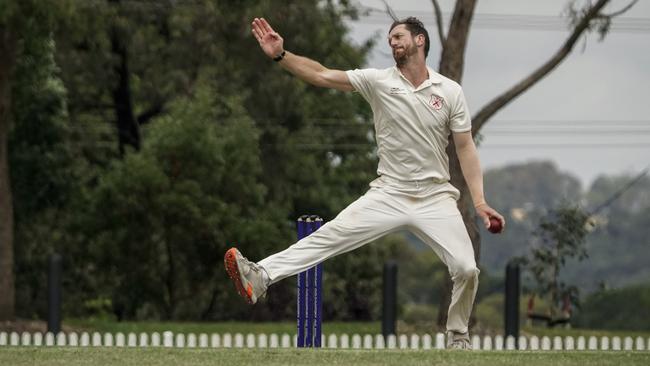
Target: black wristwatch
[(279, 57)]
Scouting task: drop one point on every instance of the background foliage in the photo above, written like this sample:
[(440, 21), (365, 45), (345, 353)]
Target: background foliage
[(150, 136)]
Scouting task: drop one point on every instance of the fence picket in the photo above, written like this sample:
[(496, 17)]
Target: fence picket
[(14, 339), (367, 341), (191, 340), (498, 342), (604, 343), (569, 343), (26, 339), (403, 341), (84, 340), (440, 341), (250, 340), (426, 341), (143, 340), (355, 341), (523, 343)]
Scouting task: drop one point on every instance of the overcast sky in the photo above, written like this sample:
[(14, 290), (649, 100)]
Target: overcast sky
[(590, 115)]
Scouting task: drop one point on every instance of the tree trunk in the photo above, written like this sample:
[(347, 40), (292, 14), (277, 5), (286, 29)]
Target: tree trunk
[(170, 282), (127, 126), (7, 287), (451, 65)]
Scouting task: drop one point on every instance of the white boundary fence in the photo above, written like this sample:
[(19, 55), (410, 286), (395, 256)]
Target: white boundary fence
[(344, 341)]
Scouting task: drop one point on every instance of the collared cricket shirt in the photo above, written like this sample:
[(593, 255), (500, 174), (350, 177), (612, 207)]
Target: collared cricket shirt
[(412, 125)]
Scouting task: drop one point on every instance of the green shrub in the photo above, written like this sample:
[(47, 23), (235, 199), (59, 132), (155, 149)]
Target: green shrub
[(625, 309)]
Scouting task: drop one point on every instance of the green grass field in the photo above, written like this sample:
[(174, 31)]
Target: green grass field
[(18, 356)]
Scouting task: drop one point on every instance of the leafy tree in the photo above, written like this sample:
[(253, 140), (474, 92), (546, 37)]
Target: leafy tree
[(620, 236), (313, 144), (125, 60), (26, 72), (314, 141), (44, 170), (173, 209), (561, 236)]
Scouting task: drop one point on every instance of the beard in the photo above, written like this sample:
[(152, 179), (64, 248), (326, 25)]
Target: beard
[(402, 58)]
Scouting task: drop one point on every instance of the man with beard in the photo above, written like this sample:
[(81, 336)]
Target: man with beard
[(415, 109)]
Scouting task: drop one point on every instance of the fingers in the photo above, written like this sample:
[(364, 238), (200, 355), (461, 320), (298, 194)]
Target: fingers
[(494, 213), (257, 36), (266, 25), (486, 212), (258, 29), (261, 26)]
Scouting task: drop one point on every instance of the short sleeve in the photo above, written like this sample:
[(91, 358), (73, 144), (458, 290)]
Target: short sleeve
[(363, 81), (460, 120)]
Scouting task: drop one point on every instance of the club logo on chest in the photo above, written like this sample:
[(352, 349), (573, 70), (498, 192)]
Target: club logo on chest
[(436, 102)]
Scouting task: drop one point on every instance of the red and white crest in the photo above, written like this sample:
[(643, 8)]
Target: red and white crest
[(436, 102)]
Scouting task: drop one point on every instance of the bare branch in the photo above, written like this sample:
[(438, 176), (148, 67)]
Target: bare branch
[(499, 102), (441, 33), (390, 11), (153, 111), (617, 13), (620, 192)]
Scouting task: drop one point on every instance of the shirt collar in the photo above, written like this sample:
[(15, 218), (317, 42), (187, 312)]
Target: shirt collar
[(434, 77)]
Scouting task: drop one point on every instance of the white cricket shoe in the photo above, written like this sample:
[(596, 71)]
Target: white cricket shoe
[(246, 275), (458, 340)]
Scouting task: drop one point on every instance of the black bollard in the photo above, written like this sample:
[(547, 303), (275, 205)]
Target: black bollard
[(389, 315), (54, 294), (512, 301)]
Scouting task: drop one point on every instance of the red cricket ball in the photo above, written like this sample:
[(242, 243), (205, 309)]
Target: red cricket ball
[(495, 225)]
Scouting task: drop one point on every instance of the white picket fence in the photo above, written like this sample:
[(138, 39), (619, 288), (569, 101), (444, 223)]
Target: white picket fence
[(344, 341)]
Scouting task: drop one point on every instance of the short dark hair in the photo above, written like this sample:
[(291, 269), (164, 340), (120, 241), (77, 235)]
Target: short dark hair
[(415, 26)]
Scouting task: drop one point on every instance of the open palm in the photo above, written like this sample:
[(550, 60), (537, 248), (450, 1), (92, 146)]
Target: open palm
[(270, 41)]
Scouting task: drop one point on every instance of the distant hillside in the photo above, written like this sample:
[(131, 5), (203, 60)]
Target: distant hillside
[(618, 247)]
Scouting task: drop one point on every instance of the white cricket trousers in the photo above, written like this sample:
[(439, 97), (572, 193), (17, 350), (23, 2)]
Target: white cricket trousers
[(428, 210)]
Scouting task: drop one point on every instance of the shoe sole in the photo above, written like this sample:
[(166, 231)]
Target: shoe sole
[(230, 261)]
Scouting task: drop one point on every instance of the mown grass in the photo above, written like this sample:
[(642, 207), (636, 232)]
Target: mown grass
[(32, 356)]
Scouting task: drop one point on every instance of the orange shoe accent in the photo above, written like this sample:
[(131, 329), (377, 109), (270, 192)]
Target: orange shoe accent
[(230, 262), (249, 290)]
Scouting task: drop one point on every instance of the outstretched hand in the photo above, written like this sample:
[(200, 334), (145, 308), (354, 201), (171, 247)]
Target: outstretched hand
[(270, 41), (485, 212)]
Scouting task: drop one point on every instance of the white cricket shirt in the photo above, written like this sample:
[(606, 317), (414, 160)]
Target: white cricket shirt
[(412, 125)]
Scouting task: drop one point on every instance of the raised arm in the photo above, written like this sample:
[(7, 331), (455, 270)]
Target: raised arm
[(305, 69), (471, 168)]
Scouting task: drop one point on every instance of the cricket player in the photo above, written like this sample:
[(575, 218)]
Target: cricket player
[(415, 110)]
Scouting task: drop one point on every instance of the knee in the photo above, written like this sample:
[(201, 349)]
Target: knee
[(467, 272)]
